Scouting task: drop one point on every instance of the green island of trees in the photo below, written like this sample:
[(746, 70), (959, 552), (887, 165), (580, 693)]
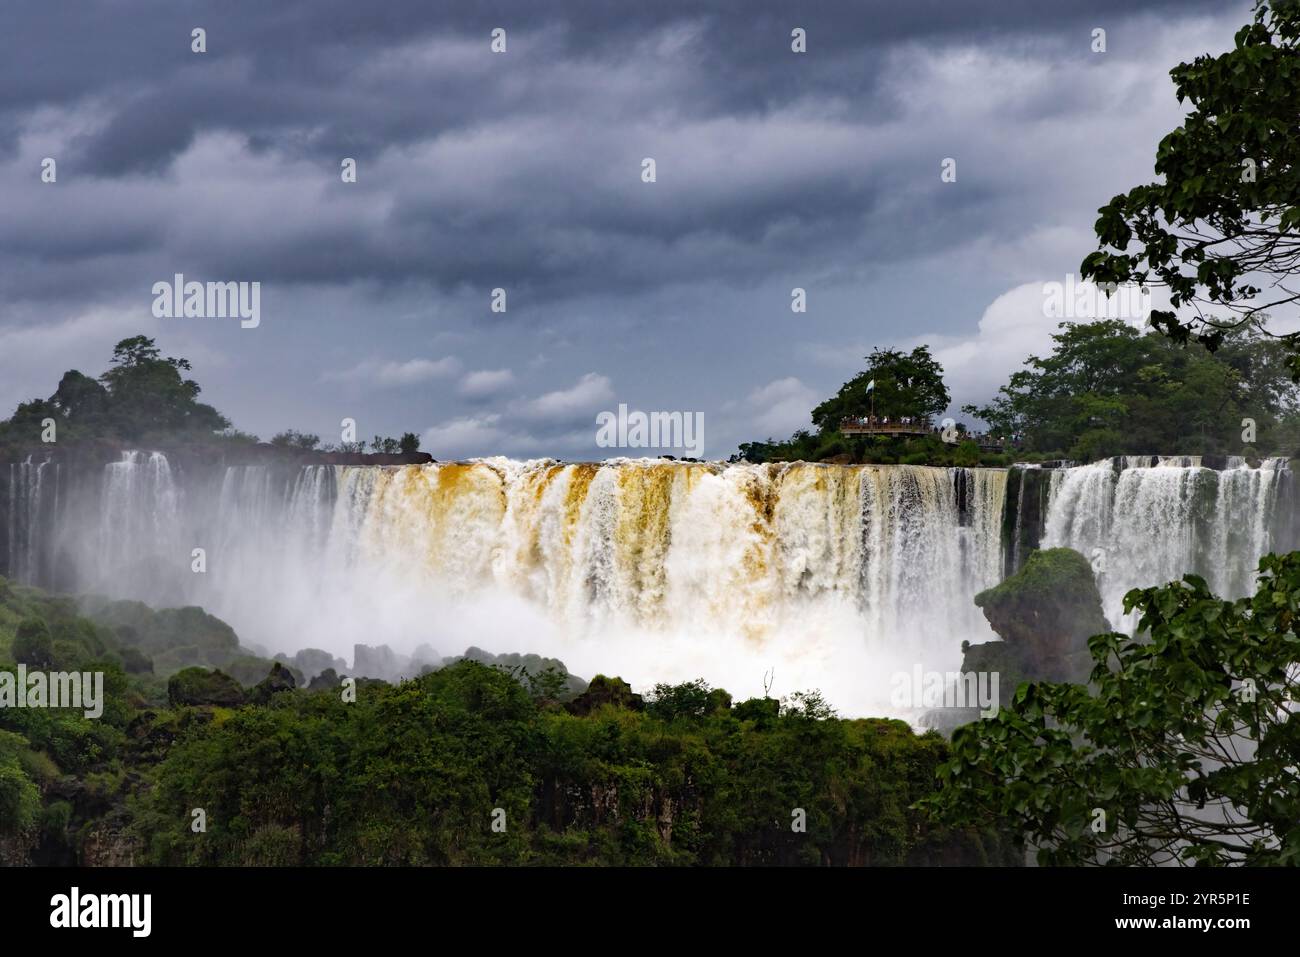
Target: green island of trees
[(145, 398), (1106, 389)]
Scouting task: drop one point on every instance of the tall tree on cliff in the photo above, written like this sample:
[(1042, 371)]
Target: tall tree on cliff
[(905, 383), (149, 396), (1221, 230)]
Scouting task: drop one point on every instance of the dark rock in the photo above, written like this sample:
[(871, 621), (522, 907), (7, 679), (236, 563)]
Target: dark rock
[(327, 680), (279, 679), (530, 668), (381, 662), (309, 662), (605, 691), (719, 701), (1045, 613), (198, 686), (425, 655), (248, 670)]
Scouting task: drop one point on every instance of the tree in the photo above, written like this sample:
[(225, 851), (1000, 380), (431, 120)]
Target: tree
[(906, 384), (28, 421), (148, 395), (1183, 747), (1108, 389), (1226, 216), (690, 699), (79, 396), (809, 705), (293, 439), (20, 798), (409, 444)]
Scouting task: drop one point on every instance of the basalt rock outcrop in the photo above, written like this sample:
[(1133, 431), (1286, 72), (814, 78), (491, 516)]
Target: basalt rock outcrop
[(603, 691), (1045, 613), (198, 686), (280, 679)]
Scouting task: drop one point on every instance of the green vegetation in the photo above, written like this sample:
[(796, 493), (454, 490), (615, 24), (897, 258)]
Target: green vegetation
[(200, 686), (144, 399), (1180, 747), (1220, 227), (905, 384), (293, 439), (1108, 389), (414, 773), (902, 385)]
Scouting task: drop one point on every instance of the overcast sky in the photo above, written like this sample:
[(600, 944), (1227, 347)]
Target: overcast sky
[(522, 170)]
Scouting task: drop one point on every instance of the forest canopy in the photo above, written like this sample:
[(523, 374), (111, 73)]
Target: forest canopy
[(1219, 227), (1108, 389), (1105, 389), (145, 397)]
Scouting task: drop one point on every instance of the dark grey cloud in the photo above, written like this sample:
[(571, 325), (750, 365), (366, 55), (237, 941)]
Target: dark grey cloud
[(522, 171)]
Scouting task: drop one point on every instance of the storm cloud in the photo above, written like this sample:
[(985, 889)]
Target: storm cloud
[(522, 171)]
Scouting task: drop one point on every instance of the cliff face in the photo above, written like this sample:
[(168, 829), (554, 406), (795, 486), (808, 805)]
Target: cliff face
[(96, 453), (39, 484)]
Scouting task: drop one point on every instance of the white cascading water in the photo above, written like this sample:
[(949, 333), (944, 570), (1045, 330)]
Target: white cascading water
[(140, 512), (1143, 524), (836, 576), (27, 504)]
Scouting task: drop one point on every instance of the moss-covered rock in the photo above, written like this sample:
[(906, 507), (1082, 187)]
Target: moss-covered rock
[(1045, 613), (279, 679), (603, 691), (172, 638), (327, 680), (198, 686)]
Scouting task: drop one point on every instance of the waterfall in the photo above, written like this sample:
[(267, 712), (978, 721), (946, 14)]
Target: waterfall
[(1145, 523), (837, 576), (32, 502), (139, 532)]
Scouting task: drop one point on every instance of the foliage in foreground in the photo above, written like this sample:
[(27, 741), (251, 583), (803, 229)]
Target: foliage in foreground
[(1182, 748), (1219, 228), (419, 772), (414, 773)]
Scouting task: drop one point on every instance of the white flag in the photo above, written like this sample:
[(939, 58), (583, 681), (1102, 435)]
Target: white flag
[(871, 385)]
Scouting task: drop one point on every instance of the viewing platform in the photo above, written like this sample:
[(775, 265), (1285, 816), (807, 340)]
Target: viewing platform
[(915, 427), (867, 425)]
